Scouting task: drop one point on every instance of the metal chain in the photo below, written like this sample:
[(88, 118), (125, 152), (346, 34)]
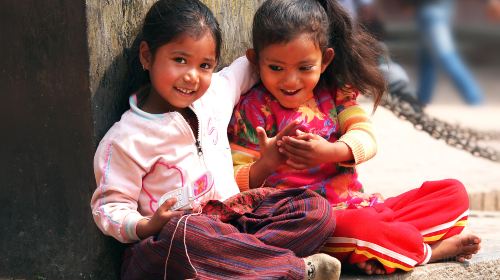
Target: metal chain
[(406, 107)]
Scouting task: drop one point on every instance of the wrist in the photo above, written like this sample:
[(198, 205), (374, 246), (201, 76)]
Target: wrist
[(144, 228), (265, 165), (340, 152), (259, 171)]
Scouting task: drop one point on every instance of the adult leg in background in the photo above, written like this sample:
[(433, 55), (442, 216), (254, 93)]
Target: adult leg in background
[(434, 22)]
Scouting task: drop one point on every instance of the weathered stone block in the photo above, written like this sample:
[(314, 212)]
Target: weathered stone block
[(490, 201), (476, 201)]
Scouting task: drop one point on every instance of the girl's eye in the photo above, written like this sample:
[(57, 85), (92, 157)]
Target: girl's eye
[(206, 66), (306, 68), (275, 68), (180, 60)]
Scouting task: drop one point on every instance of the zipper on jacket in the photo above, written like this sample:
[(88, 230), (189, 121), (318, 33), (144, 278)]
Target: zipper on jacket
[(197, 141), (198, 147)]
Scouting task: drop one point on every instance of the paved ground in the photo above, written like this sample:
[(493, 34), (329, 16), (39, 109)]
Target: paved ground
[(408, 157)]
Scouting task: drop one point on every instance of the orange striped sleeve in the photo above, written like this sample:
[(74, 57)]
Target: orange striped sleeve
[(356, 128), (243, 158)]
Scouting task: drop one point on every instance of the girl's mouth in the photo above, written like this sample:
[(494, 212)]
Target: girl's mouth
[(185, 91), (290, 92)]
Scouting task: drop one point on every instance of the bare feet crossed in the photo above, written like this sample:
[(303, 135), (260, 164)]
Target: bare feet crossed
[(459, 247), (371, 267)]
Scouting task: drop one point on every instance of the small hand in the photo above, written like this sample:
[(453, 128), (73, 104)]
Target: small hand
[(160, 218), (305, 150), (268, 148), (270, 158)]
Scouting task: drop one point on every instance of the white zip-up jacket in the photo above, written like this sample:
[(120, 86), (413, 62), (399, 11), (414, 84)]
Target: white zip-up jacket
[(144, 155)]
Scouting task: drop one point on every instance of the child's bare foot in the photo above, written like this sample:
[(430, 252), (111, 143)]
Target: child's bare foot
[(460, 247), (371, 266)]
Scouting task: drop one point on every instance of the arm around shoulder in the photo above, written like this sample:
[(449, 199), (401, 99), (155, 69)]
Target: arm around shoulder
[(237, 78)]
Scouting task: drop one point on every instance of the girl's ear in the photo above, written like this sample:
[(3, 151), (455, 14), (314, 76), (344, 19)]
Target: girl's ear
[(252, 56), (145, 55), (328, 56)]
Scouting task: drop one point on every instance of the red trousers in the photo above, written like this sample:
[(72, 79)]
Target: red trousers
[(398, 232)]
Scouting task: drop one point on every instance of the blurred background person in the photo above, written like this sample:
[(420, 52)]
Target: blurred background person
[(436, 44), (365, 12), (437, 50)]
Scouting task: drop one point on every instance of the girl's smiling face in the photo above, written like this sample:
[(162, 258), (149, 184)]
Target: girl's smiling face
[(180, 71), (291, 71)]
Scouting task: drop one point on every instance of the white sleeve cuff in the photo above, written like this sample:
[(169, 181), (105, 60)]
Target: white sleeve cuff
[(129, 226)]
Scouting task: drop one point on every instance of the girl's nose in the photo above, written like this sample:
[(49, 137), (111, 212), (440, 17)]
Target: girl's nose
[(290, 80), (191, 76)]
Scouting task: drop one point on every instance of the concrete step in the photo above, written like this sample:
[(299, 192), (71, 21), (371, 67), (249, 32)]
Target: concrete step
[(485, 201), (485, 265)]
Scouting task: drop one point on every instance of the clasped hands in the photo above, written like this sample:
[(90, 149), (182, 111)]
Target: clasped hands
[(298, 149)]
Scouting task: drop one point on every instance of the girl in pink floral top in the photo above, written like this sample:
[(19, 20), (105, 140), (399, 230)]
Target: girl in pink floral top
[(302, 128), (318, 115)]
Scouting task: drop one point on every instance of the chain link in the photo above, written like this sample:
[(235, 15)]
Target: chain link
[(406, 107)]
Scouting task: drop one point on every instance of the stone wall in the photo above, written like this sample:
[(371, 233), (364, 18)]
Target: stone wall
[(62, 79), (235, 19), (112, 26), (46, 146)]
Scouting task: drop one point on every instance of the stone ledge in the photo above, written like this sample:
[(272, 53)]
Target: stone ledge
[(485, 201), (482, 266)]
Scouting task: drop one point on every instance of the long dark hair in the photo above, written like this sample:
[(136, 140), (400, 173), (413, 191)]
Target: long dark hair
[(165, 21), (329, 25)]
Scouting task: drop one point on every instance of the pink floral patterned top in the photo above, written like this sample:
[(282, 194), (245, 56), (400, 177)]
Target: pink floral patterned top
[(332, 114)]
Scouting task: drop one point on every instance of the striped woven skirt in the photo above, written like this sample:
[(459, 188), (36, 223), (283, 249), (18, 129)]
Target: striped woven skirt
[(262, 233)]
